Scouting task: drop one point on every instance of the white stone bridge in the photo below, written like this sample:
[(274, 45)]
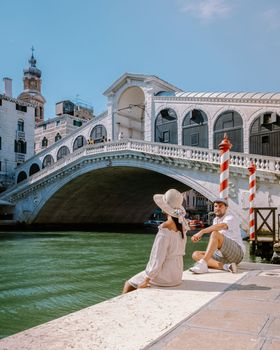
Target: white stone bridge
[(113, 182)]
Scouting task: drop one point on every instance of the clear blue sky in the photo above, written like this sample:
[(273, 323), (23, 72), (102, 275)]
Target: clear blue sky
[(83, 46)]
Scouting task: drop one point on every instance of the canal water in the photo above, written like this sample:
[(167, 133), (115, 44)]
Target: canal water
[(46, 275)]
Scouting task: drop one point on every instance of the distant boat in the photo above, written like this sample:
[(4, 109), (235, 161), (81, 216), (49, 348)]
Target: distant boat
[(152, 223)]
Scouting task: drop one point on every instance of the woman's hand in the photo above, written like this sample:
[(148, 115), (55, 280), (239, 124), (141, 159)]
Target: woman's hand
[(196, 237), (145, 283)]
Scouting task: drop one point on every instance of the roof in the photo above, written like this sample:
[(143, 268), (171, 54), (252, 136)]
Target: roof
[(232, 95), (140, 77)]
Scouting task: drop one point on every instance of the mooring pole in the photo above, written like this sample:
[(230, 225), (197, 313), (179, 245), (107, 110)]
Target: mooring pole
[(224, 148)]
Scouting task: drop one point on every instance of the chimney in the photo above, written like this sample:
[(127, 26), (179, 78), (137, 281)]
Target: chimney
[(8, 87)]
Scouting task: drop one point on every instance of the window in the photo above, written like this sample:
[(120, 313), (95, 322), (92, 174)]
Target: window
[(265, 139), (20, 146), (45, 142), (77, 123), (21, 108), (57, 137), (80, 141), (20, 125), (195, 139), (166, 136)]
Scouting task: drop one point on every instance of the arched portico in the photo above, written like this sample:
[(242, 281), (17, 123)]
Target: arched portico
[(265, 135), (130, 114)]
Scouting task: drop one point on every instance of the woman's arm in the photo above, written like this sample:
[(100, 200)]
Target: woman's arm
[(158, 255), (145, 283)]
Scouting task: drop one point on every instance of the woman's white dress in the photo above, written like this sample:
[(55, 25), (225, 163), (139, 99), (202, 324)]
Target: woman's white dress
[(165, 266)]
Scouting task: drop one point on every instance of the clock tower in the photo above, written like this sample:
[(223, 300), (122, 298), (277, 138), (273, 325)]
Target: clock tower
[(32, 88)]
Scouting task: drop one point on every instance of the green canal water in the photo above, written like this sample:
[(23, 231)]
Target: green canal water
[(46, 275)]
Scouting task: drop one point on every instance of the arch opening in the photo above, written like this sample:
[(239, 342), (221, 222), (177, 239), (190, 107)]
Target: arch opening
[(166, 126), (265, 135), (231, 123), (130, 115), (34, 169), (195, 129)]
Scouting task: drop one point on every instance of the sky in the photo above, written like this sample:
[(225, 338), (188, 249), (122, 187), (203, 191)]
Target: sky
[(84, 46)]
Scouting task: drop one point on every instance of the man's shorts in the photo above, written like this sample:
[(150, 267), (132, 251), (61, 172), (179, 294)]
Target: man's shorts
[(231, 252)]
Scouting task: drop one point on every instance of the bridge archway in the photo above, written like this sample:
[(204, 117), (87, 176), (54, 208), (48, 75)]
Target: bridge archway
[(98, 133), (231, 123), (62, 152), (130, 114), (195, 129), (79, 142), (102, 196), (166, 126), (34, 169), (48, 160), (21, 176), (265, 135)]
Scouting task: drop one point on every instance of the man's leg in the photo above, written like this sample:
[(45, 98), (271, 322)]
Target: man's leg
[(197, 255), (215, 242)]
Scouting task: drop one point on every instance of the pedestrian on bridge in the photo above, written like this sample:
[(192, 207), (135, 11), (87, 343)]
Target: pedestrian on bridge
[(225, 248), (165, 266)]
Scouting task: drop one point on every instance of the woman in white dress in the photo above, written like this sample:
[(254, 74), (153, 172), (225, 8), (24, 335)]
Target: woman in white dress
[(165, 266)]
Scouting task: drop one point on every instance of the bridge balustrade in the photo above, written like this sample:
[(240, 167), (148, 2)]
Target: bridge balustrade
[(182, 152)]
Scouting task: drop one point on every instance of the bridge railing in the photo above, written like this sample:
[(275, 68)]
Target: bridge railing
[(271, 164)]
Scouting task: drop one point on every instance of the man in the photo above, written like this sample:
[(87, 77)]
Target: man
[(225, 248)]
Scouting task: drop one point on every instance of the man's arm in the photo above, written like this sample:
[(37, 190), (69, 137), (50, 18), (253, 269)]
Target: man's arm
[(217, 227)]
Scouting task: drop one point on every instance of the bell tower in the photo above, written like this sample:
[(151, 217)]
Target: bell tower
[(32, 88)]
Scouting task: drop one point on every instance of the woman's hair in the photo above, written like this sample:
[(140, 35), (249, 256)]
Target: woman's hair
[(178, 226)]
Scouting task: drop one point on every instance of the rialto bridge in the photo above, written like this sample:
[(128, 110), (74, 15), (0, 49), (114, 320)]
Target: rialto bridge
[(158, 137)]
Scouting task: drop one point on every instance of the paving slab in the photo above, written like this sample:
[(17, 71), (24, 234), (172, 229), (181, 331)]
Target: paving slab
[(205, 339), (245, 316)]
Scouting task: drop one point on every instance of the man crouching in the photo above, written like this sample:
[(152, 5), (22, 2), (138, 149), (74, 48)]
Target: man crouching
[(225, 248)]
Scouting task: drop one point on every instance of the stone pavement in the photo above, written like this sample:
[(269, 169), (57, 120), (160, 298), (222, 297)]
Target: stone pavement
[(218, 310), (246, 316)]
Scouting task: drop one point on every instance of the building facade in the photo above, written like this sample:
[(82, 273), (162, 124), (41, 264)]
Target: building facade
[(17, 126), (52, 130)]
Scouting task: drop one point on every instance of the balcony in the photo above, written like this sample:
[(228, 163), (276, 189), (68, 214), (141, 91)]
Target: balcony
[(20, 158), (20, 135)]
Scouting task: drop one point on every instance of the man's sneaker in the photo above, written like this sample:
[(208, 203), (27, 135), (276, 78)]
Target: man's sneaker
[(200, 267), (232, 268)]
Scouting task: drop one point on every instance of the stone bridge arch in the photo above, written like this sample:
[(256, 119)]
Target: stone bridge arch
[(106, 191)]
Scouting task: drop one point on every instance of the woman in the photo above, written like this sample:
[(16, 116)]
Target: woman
[(165, 266)]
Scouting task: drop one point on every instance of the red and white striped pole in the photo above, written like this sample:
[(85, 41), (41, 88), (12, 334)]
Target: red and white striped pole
[(252, 191), (224, 148)]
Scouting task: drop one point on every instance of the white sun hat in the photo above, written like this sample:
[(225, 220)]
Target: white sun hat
[(171, 203)]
